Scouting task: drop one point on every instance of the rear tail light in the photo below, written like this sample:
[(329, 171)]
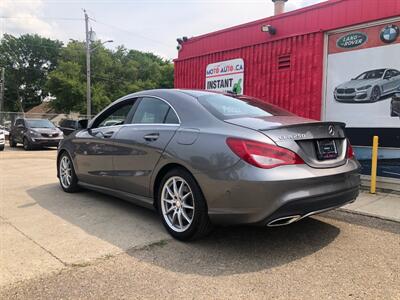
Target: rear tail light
[(350, 151), (263, 155)]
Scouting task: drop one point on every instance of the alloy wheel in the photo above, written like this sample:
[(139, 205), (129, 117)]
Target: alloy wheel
[(65, 171), (375, 94), (177, 204)]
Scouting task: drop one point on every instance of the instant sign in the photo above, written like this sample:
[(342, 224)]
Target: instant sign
[(226, 76)]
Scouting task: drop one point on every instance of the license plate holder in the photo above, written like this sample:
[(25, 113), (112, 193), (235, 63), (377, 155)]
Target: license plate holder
[(326, 149)]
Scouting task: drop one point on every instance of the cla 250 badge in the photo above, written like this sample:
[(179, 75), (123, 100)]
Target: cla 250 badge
[(292, 137), (352, 40)]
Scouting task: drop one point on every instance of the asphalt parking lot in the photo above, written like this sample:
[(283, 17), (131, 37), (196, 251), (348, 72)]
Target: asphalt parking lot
[(87, 245)]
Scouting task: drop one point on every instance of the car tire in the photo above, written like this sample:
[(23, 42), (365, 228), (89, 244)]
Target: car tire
[(26, 144), (1, 147), (177, 192), (392, 113), (375, 94), (12, 142), (66, 174)]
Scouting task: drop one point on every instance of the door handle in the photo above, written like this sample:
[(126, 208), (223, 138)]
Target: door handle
[(108, 134), (151, 137)]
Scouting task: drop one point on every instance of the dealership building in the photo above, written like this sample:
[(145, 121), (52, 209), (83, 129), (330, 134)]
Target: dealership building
[(338, 60)]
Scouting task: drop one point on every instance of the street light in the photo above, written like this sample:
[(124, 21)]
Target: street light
[(89, 38), (94, 48)]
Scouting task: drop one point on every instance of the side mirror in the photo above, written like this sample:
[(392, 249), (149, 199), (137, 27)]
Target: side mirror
[(83, 124)]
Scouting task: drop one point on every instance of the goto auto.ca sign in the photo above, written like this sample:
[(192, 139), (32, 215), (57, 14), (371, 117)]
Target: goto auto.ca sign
[(226, 76)]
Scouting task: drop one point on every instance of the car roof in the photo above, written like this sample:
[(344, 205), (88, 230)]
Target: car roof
[(170, 92)]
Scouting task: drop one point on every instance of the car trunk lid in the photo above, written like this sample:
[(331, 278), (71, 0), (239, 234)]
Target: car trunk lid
[(319, 144)]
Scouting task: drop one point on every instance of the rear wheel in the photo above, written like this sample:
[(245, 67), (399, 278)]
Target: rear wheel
[(1, 147), (27, 145), (182, 206), (66, 174)]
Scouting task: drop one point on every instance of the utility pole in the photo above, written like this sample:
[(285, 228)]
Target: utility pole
[(88, 93), (2, 87)]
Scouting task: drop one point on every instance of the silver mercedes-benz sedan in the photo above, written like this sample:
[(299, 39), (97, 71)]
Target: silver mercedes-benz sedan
[(201, 158)]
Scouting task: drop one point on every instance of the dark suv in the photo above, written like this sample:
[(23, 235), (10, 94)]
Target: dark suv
[(34, 133), (68, 126)]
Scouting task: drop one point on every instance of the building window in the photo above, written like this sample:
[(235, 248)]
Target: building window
[(284, 62)]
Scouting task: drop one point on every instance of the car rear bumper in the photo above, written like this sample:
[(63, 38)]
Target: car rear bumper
[(259, 196)]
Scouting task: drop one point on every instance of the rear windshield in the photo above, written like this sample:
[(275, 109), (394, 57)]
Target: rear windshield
[(227, 107), (39, 124)]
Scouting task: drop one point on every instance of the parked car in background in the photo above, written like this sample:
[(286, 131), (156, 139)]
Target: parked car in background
[(395, 105), (6, 131), (2, 139), (370, 86), (203, 158), (34, 133), (67, 126)]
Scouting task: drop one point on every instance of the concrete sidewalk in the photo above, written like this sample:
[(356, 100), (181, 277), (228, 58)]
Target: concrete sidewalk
[(380, 205)]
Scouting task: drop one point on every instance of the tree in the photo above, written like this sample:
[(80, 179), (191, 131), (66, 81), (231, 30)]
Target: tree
[(114, 74), (28, 60)]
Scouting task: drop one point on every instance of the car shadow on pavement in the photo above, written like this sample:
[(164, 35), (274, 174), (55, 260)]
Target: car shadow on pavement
[(241, 249), (110, 219), (21, 149), (227, 250)]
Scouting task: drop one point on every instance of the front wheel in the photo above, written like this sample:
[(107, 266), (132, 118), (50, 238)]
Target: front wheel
[(182, 206), (1, 147), (66, 174), (375, 94), (12, 142), (27, 145)]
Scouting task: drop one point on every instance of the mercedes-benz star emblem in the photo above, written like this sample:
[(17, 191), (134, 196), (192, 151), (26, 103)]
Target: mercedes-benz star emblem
[(390, 33), (331, 130)]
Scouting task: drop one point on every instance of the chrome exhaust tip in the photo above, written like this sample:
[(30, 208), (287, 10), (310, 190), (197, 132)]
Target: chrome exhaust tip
[(284, 221)]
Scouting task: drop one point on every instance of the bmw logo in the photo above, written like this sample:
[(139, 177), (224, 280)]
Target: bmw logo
[(390, 33)]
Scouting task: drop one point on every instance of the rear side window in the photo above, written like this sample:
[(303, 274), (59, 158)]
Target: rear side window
[(154, 111), (227, 107), (171, 117)]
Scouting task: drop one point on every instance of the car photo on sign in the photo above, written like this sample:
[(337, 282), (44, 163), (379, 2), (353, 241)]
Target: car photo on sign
[(370, 86)]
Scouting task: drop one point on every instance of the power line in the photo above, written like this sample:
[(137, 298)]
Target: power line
[(42, 17), (133, 33)]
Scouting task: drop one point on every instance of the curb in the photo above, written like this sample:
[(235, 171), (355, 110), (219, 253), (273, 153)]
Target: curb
[(365, 214)]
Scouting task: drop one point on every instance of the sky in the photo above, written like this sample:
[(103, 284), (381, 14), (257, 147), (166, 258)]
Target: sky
[(146, 25)]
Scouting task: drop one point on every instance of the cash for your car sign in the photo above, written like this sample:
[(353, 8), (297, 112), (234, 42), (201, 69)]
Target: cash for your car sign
[(226, 76)]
